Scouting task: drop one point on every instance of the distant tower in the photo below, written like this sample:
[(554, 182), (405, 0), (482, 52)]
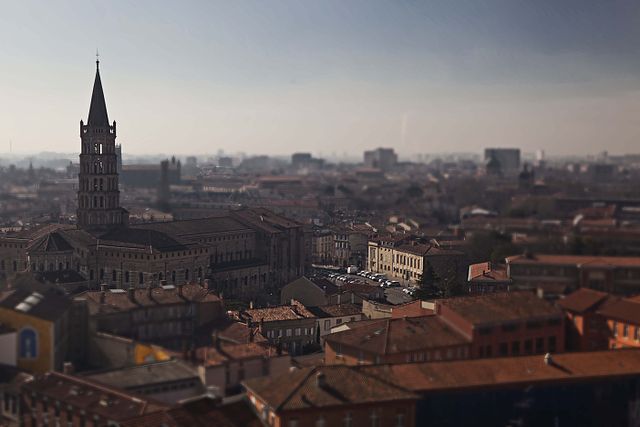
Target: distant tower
[(98, 194)]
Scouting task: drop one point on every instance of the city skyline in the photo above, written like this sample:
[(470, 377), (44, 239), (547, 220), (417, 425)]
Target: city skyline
[(327, 77)]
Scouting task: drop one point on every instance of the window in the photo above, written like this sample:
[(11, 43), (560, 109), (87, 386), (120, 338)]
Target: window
[(297, 332), (347, 420), (288, 332), (28, 344), (636, 333), (551, 344), (400, 419), (539, 345), (320, 422), (515, 348), (374, 418), (140, 278), (528, 346), (126, 276), (625, 330), (504, 349), (327, 324), (488, 351), (615, 328), (338, 321)]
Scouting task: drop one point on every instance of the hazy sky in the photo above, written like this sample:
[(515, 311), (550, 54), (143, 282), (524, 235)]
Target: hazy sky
[(325, 76)]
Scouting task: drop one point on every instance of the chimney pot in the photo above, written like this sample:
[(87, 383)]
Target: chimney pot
[(68, 368)]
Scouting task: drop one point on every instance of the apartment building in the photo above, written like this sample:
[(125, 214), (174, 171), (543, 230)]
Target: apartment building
[(408, 262), (618, 275)]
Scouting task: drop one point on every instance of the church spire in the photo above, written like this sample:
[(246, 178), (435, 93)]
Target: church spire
[(98, 108)]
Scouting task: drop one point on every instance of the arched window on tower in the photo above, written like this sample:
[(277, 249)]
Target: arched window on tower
[(101, 185)]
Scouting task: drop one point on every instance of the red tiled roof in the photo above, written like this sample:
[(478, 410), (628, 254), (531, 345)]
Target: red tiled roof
[(573, 260), (392, 336), (120, 300), (95, 398), (500, 307), (495, 372), (212, 356), (486, 272), (582, 300), (623, 309), (340, 385), (281, 312)]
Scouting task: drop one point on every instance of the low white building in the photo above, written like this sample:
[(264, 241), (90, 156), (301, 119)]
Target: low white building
[(329, 316)]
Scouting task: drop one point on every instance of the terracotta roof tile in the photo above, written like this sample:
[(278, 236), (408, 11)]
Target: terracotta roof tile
[(391, 336), (582, 300), (340, 385), (500, 307), (481, 373)]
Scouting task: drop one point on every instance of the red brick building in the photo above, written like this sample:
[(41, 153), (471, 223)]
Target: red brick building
[(330, 396), (490, 325), (618, 275), (585, 329), (505, 324), (597, 320)]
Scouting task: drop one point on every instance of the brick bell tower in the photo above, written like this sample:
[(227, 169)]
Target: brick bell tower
[(98, 193)]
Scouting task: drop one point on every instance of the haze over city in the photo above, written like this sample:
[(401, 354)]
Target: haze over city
[(325, 77)]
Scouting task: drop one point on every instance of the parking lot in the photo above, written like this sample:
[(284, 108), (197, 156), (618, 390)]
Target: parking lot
[(394, 294)]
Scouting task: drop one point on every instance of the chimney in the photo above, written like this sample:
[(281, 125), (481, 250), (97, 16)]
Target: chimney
[(149, 290), (353, 298), (250, 305), (339, 298), (320, 380), (104, 287), (103, 295), (293, 301), (132, 293), (548, 360), (68, 368)]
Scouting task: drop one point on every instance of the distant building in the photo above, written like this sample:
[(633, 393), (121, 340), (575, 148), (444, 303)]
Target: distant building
[(508, 159), (292, 326), (168, 315), (408, 261), (333, 315), (618, 275), (487, 277), (384, 159), (150, 175)]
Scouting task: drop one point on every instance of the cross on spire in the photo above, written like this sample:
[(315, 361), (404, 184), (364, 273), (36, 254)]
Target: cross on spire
[(97, 59)]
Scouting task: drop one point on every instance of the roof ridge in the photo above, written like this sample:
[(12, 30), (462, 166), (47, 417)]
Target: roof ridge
[(296, 388)]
